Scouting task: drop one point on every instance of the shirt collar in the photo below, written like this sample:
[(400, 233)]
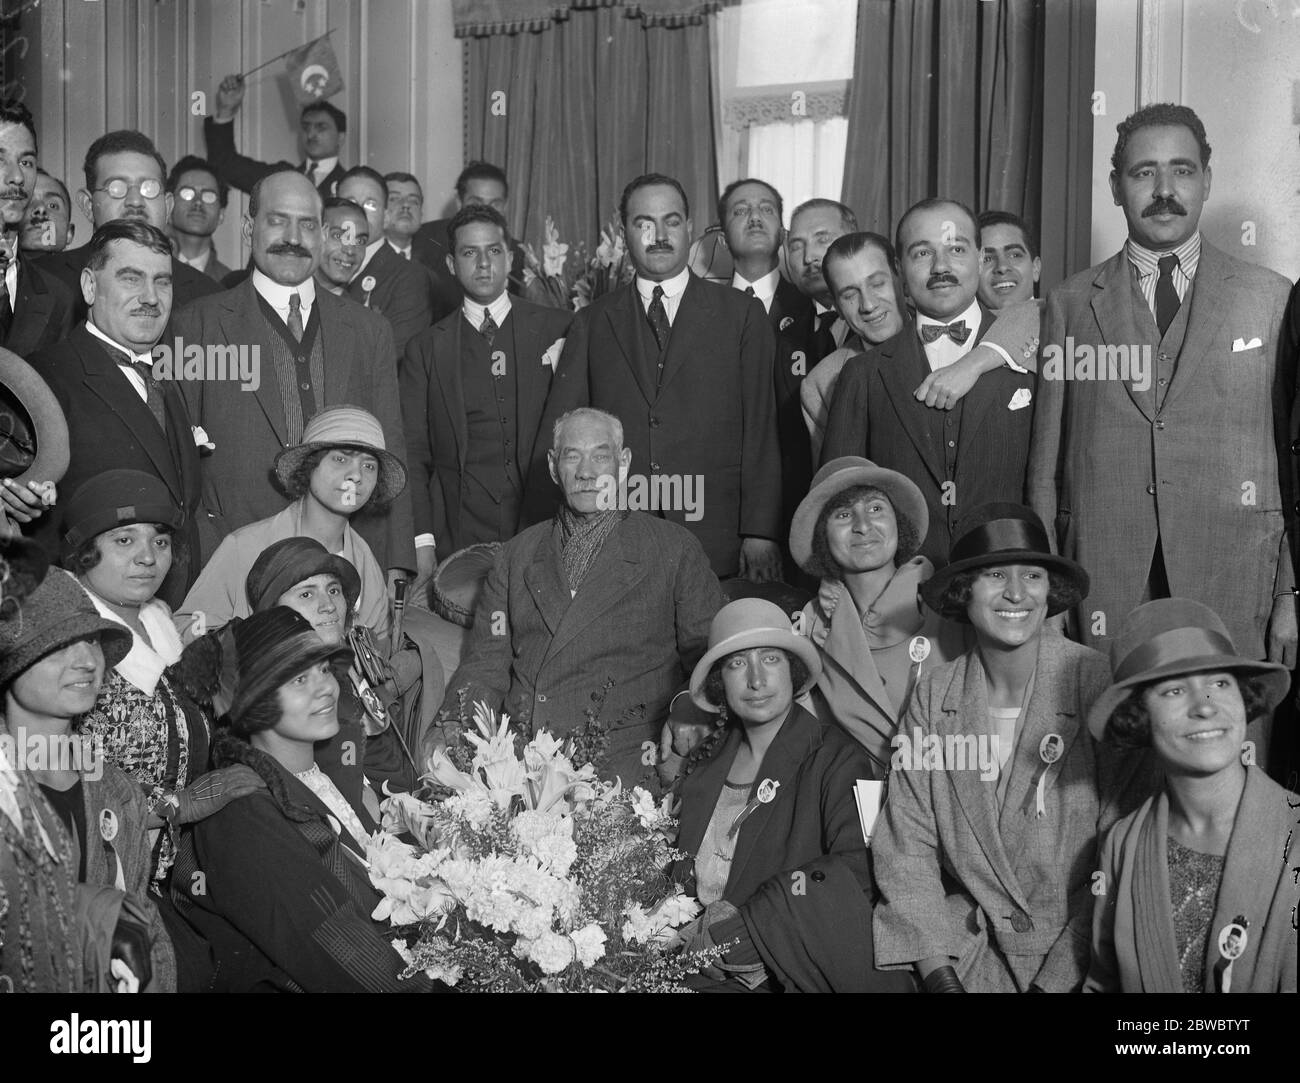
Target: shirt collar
[(146, 357), (972, 315), (199, 263), (1147, 261), (324, 166), (277, 296), (671, 286), (400, 251), (500, 309), (764, 288), (371, 249)]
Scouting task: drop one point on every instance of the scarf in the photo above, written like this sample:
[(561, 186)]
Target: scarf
[(581, 539)]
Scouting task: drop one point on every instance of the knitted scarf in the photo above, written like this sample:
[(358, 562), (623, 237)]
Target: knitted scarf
[(581, 539)]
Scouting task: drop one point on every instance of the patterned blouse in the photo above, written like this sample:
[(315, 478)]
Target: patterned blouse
[(1193, 889)]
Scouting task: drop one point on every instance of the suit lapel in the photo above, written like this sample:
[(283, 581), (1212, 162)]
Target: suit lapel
[(898, 368), (546, 584), (1054, 688), (693, 324), (338, 344), (35, 305), (614, 574), (446, 371), (622, 316), (975, 406), (104, 380), (530, 380), (1112, 305), (240, 320), (1209, 299), (966, 711)]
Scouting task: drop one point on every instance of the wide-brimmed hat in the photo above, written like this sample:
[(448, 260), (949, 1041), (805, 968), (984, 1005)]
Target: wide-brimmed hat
[(288, 562), (23, 564), (34, 447), (271, 647), (747, 623), (845, 473), (997, 534), (117, 498), (56, 613), (1170, 637), (346, 426), (458, 581)]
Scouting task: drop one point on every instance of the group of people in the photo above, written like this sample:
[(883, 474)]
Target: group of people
[(859, 521)]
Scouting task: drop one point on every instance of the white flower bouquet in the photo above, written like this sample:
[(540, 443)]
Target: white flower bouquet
[(526, 873), (564, 276)]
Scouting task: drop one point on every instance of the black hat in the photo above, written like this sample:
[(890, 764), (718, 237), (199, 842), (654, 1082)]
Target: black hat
[(291, 560), (273, 646), (995, 534), (117, 498), (33, 430)]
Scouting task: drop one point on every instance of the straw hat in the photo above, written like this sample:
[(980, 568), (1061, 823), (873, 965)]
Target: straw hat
[(346, 426), (747, 623)]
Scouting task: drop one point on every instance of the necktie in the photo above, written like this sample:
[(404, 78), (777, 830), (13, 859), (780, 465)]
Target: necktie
[(658, 317), (488, 328), (957, 331), (295, 317), (152, 389), (750, 290), (824, 338), (309, 167), (6, 305), (1166, 296)]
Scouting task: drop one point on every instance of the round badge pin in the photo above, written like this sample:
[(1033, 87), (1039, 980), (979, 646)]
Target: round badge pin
[(767, 790), (368, 283), (919, 649), (108, 825), (1050, 748), (1233, 939)]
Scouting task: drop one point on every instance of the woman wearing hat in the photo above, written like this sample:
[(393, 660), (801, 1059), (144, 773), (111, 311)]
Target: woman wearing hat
[(769, 821), (859, 529), (119, 537), (323, 587), (989, 831), (1200, 888), (75, 913), (276, 881), (341, 466)]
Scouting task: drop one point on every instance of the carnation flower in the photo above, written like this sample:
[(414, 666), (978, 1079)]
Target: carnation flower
[(589, 942), (474, 806), (552, 952)]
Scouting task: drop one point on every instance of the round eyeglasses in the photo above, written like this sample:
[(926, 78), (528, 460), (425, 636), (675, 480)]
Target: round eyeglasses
[(188, 194), (117, 188)]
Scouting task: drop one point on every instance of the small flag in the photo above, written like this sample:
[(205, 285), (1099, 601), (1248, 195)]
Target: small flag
[(314, 71)]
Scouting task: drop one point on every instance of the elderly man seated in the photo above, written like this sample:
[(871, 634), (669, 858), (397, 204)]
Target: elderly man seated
[(591, 621)]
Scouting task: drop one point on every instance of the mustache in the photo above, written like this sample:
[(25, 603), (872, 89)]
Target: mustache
[(147, 310), (943, 278), (660, 246), (1164, 206), (284, 248)]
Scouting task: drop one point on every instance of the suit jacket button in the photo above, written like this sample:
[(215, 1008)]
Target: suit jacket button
[(1151, 490), (1160, 425), (818, 876), (1020, 922), (1295, 447), (654, 467), (541, 697), (654, 423)]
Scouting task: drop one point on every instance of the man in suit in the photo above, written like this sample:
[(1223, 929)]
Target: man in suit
[(402, 231), (315, 350), (1157, 463), (321, 128), (474, 387), (596, 604), (199, 200), (47, 223), (478, 183), (751, 213), (1009, 263), (1154, 451), (125, 178), (814, 227), (687, 366), (386, 283), (970, 450), (119, 415), (35, 310)]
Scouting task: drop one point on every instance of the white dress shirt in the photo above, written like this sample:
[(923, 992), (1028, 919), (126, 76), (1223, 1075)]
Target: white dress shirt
[(673, 290), (11, 280), (405, 253), (474, 312), (764, 289), (199, 263), (324, 167), (130, 372), (277, 296), (943, 351)]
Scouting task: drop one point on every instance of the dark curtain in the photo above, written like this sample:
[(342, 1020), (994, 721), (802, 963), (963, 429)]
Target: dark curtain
[(591, 102), (960, 100)]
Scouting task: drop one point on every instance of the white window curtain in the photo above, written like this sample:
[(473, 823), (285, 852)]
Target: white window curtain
[(803, 158)]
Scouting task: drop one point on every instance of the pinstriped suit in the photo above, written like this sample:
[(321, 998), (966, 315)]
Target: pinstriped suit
[(1004, 894)]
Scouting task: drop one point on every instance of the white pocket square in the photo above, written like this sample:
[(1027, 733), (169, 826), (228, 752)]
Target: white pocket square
[(1239, 344), (1022, 398), (552, 355)]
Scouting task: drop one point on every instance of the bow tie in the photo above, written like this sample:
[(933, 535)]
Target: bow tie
[(957, 331)]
